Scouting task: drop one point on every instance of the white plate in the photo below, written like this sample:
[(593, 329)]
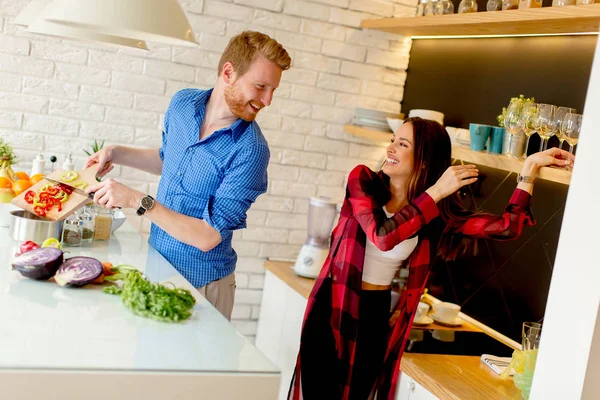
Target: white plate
[(457, 321), (423, 321)]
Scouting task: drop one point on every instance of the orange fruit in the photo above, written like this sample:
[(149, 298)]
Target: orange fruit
[(22, 176), (36, 178), (5, 183), (20, 186)]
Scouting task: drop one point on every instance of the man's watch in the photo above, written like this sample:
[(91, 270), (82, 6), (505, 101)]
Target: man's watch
[(525, 179), (146, 204)]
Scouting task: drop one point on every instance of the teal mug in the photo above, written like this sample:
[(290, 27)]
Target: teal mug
[(479, 136), (496, 140)]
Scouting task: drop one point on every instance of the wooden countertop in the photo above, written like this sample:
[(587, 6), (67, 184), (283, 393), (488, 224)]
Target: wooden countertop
[(457, 377), (303, 286)]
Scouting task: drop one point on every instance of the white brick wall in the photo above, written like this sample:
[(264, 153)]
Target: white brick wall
[(53, 89)]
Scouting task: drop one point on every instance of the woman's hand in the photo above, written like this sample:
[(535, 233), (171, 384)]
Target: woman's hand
[(550, 157), (453, 179)]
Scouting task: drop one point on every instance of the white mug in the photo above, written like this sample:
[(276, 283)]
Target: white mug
[(421, 311), (446, 312)]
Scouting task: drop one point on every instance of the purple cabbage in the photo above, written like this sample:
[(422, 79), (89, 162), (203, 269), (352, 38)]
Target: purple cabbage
[(40, 264), (78, 271)]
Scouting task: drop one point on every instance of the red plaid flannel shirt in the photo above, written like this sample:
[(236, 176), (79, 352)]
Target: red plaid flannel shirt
[(362, 216)]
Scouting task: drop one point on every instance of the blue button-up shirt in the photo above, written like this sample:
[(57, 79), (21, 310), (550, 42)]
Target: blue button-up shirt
[(215, 179)]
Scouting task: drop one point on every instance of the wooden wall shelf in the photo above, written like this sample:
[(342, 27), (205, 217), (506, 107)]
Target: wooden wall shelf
[(546, 20), (475, 157)]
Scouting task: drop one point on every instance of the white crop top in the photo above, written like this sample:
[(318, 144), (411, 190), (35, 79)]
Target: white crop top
[(381, 266)]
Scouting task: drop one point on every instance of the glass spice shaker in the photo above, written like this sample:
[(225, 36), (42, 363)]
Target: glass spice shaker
[(87, 220), (72, 231)]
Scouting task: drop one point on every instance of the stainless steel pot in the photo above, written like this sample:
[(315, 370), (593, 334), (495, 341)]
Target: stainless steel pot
[(26, 226)]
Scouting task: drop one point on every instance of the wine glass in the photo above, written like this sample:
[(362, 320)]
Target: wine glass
[(527, 122), (546, 123), (560, 116), (511, 123), (572, 127)]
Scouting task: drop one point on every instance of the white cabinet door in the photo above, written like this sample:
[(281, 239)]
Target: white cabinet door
[(279, 325), (271, 317), (404, 387), (409, 389)]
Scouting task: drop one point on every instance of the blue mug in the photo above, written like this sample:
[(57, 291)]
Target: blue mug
[(479, 136)]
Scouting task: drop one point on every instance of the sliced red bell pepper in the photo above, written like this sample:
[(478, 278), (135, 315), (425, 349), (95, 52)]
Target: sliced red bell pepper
[(27, 246), (66, 188), (39, 211), (29, 196)]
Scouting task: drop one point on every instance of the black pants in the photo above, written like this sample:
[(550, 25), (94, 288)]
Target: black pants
[(320, 373)]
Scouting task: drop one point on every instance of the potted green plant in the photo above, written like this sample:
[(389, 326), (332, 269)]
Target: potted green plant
[(7, 158), (95, 147), (521, 99)]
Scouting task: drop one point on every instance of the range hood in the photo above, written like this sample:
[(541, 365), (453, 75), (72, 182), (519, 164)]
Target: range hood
[(124, 22)]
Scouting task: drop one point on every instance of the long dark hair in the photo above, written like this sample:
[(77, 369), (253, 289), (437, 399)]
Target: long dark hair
[(432, 157)]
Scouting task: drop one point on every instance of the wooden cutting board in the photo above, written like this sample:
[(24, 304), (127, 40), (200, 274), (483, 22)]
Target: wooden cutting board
[(75, 201)]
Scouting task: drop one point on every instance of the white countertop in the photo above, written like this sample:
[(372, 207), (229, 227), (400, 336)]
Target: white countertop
[(45, 326)]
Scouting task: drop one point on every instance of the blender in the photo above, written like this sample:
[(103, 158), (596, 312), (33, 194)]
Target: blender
[(321, 215)]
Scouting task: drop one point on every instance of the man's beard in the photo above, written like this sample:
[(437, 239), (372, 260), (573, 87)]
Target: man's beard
[(238, 105)]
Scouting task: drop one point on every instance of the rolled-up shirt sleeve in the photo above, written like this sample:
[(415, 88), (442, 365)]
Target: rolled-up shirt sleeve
[(161, 150), (244, 181)]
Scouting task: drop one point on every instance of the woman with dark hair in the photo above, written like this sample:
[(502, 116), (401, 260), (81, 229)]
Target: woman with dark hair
[(409, 211)]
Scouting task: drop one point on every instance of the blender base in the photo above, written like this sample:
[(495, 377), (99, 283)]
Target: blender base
[(310, 261)]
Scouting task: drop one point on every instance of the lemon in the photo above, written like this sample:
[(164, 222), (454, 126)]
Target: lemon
[(52, 242)]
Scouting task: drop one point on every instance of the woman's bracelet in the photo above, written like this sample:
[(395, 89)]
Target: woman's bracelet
[(525, 179)]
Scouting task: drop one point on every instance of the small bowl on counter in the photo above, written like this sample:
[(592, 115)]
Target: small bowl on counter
[(26, 226), (119, 219)]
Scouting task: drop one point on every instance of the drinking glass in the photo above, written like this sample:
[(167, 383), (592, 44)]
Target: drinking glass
[(511, 123), (527, 122), (560, 117), (532, 331), (546, 123), (572, 127)]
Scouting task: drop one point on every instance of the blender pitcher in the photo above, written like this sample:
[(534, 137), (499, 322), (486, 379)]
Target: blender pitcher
[(321, 215)]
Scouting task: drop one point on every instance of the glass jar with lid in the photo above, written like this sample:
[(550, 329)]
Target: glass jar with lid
[(72, 231), (444, 7), (430, 7), (421, 8), (510, 4), (102, 223), (494, 5), (530, 4), (467, 6)]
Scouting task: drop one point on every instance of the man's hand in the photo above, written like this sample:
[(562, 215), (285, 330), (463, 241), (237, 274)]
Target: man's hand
[(112, 194), (103, 158)]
